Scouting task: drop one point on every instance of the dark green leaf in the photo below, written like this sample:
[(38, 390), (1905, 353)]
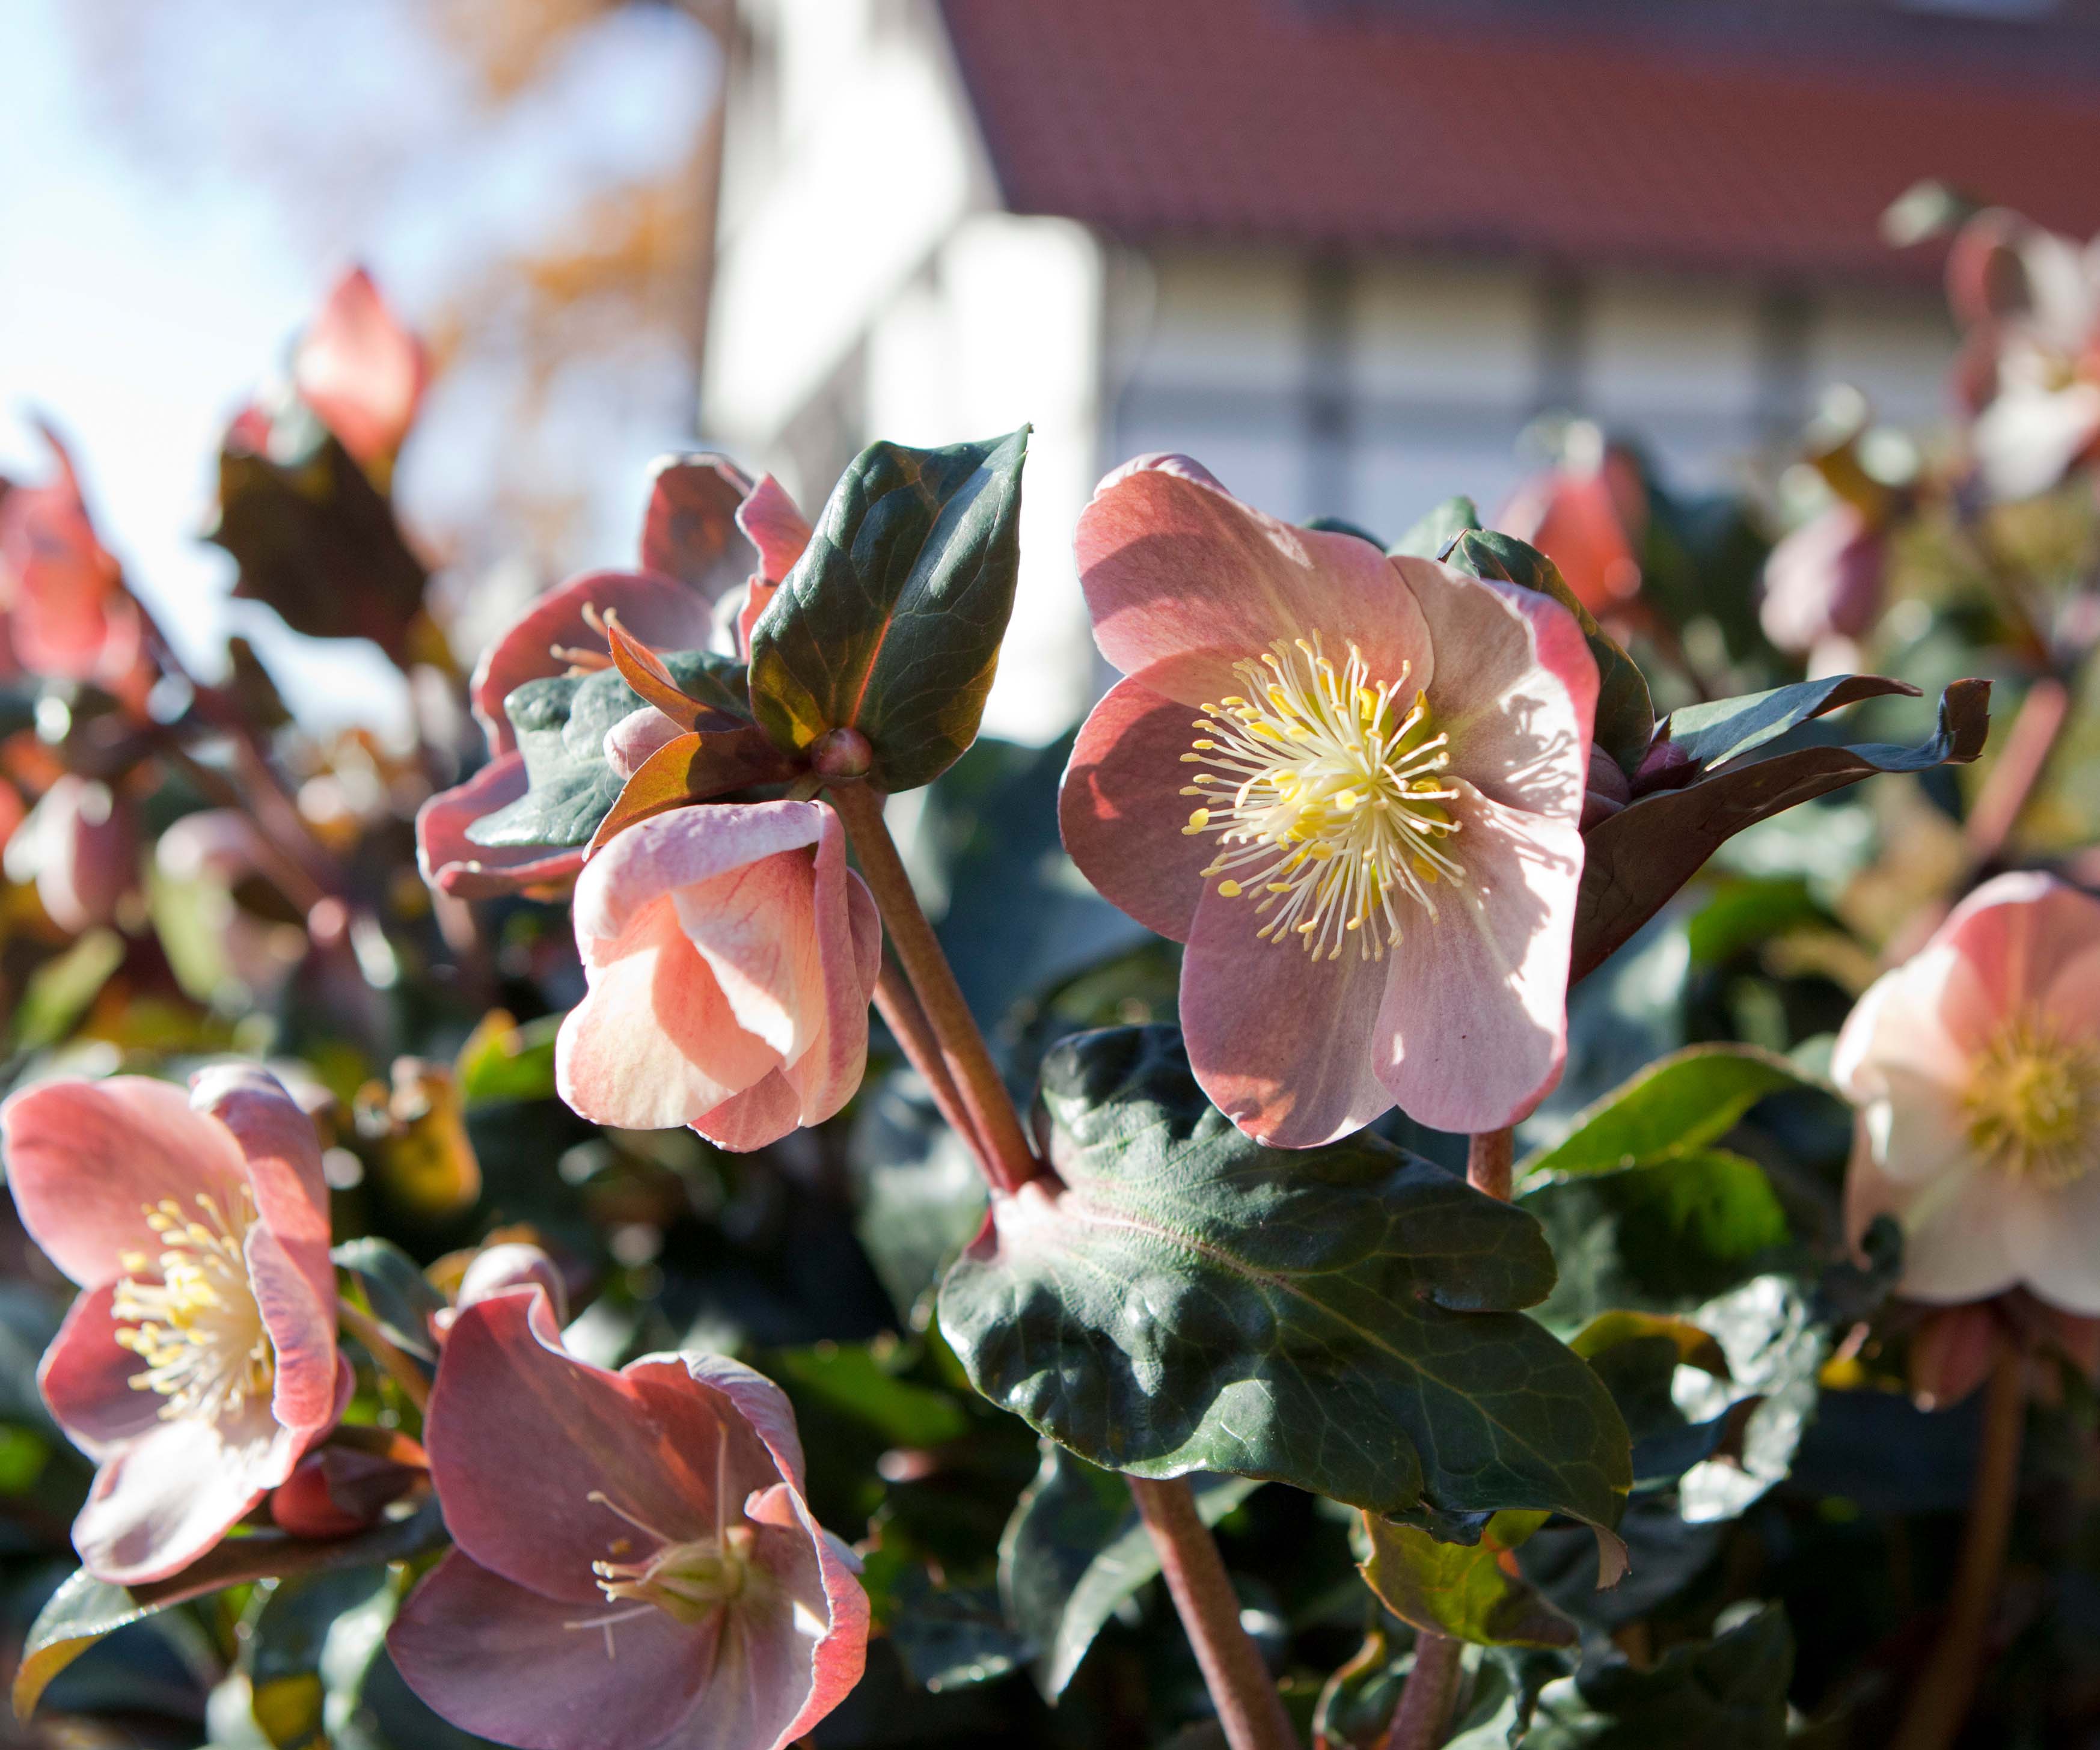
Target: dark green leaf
[(1658, 1238), (1432, 536), (314, 539), (397, 1291), (1725, 728), (85, 1609), (920, 1195), (1726, 1694), (1688, 1100), (890, 622), (1342, 526), (1355, 1709), (1477, 1593), (1625, 715), (1634, 862), (1076, 1548), (952, 1637), (849, 1379), (1342, 1318), (1637, 1356), (283, 1647)]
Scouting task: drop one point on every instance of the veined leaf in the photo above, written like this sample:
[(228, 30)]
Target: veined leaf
[(1625, 714), (1477, 1593), (891, 621), (283, 1652), (1725, 728), (1433, 536), (1343, 1319), (1634, 862)]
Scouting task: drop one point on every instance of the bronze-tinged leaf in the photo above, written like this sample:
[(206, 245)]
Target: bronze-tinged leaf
[(644, 671), (691, 769), (1476, 1594), (1636, 860), (891, 621)]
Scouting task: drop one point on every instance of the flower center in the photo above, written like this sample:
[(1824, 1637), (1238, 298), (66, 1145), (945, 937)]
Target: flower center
[(2033, 1104), (688, 1579), (198, 1328), (1326, 798)]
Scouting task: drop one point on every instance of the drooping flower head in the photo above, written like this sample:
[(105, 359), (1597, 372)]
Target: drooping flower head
[(731, 955), (686, 598), (635, 1564), (1823, 583), (1588, 516), (1976, 1068), (199, 1363), (1350, 785)]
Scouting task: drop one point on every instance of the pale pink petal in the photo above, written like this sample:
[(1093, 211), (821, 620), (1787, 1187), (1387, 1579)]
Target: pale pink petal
[(638, 734), (361, 370), (163, 1499), (2031, 437), (683, 847), (1183, 580), (2053, 1239), (1475, 1025), (1953, 1228), (506, 1663), (282, 1156), (776, 528), (864, 918), (769, 1109), (564, 1429), (756, 928), (662, 612), (86, 1379), (1919, 1023), (1515, 689), (454, 864), (2018, 931), (1917, 1128), (1120, 813), (654, 1043), (754, 1397), (2071, 998), (86, 1160), (1283, 1044), (512, 1265)]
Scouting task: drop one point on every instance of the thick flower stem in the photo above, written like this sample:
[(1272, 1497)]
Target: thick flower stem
[(1422, 1722), (1007, 1159), (931, 1017), (1489, 1156), (908, 1025), (1248, 1707), (1941, 1703), (1422, 1719)]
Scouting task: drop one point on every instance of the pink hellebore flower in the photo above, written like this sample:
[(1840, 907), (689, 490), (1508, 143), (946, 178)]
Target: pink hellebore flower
[(666, 606), (635, 1565), (362, 371), (199, 1363), (1585, 518), (731, 955), (1822, 582), (68, 614), (1381, 765), (1976, 1067)]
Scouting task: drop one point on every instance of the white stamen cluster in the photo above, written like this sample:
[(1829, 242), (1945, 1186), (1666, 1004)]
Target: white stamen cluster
[(198, 1328), (1325, 797)]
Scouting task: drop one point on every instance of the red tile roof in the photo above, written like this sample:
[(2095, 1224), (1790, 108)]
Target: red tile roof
[(1766, 139)]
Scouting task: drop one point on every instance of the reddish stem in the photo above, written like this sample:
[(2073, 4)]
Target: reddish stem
[(1490, 1157), (1248, 1707), (1009, 1162), (2019, 767), (908, 1025), (1422, 1720), (1940, 1702)]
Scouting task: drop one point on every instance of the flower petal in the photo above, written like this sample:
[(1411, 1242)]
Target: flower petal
[(682, 848), (1183, 580), (1516, 689), (454, 864), (86, 1160), (1280, 1042), (163, 1499), (775, 527), (1475, 1025), (2072, 998), (757, 927), (660, 611), (1915, 1025), (1953, 1228), (653, 1043), (2019, 932), (360, 368), (86, 1379), (764, 1113), (2053, 1238), (1119, 809), (505, 1663), (564, 1429)]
